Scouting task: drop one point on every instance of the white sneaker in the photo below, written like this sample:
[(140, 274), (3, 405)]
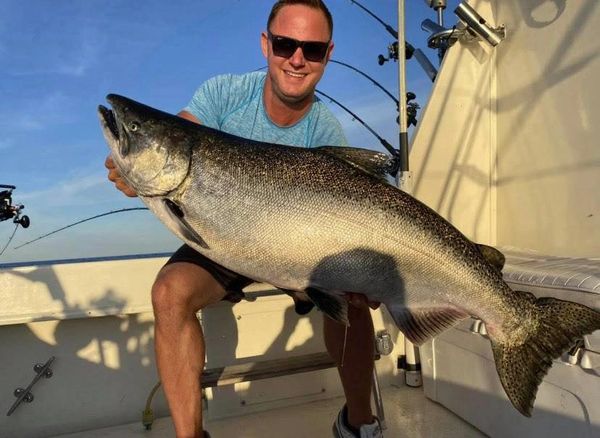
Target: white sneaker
[(341, 429)]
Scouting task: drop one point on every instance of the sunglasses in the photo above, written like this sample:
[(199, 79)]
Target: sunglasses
[(285, 47)]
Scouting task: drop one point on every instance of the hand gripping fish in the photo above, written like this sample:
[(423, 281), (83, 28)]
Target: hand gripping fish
[(322, 221)]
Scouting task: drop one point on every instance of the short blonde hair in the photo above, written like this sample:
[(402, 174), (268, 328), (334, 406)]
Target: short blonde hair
[(315, 4)]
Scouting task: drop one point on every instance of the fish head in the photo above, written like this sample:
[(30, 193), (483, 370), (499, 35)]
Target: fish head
[(148, 146)]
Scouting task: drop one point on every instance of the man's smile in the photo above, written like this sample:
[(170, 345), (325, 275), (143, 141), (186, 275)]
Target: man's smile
[(295, 74)]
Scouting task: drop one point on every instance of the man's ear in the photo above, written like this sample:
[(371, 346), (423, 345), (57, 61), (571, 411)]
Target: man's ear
[(264, 44), (329, 52)]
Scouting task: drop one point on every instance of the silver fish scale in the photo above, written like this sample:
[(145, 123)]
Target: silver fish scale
[(299, 217), (350, 232)]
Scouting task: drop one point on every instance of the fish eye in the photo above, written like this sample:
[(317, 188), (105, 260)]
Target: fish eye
[(134, 126)]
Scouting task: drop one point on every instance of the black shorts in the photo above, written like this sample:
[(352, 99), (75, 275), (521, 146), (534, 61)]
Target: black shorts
[(232, 283)]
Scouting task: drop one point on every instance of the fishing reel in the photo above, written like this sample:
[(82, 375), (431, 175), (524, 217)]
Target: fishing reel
[(393, 53), (411, 109), (8, 210)]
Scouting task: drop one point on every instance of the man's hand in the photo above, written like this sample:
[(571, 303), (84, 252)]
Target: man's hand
[(360, 301), (115, 176)]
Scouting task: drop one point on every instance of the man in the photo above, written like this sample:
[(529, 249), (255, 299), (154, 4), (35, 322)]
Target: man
[(279, 107)]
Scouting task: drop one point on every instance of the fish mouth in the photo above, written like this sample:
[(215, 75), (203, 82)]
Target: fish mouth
[(113, 131), (109, 120)]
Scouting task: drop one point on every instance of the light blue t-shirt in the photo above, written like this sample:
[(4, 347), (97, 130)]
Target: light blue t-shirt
[(234, 104)]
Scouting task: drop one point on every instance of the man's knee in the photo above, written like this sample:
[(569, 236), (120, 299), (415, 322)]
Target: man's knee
[(184, 287)]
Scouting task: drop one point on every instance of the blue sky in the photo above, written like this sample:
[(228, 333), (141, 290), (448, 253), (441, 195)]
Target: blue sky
[(59, 59)]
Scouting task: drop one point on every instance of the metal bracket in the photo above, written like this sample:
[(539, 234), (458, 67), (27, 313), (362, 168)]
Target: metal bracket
[(25, 395), (574, 353), (383, 343)]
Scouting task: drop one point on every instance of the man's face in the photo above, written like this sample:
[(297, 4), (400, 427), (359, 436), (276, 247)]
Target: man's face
[(294, 79)]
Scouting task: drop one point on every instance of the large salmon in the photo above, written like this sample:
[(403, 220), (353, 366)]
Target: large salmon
[(323, 221)]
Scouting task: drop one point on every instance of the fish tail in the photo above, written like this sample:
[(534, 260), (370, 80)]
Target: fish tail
[(522, 366)]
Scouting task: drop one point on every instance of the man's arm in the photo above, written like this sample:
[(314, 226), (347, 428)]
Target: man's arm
[(189, 116), (113, 172)]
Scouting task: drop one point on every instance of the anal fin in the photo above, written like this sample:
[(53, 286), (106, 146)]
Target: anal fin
[(420, 325)]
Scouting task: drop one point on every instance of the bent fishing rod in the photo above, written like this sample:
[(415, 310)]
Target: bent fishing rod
[(400, 51), (394, 152), (80, 222), (389, 28), (412, 106), (382, 140), (377, 84), (409, 50)]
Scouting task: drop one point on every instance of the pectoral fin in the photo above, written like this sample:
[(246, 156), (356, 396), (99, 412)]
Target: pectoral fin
[(301, 305), (334, 306), (184, 227)]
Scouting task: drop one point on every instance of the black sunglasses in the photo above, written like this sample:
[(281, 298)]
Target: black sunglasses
[(285, 47)]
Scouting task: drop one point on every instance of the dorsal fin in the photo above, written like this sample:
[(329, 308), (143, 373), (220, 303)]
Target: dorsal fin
[(492, 255), (377, 164)]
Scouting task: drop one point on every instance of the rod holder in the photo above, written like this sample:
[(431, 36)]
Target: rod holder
[(477, 24)]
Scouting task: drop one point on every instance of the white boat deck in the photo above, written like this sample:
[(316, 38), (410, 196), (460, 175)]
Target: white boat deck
[(408, 414)]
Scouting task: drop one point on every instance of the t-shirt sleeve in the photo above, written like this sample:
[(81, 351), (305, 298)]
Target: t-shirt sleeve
[(206, 103), (217, 97)]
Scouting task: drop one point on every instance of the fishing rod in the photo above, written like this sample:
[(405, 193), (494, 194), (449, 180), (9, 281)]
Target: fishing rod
[(413, 107), (389, 28), (362, 73), (409, 50), (377, 84), (80, 222), (385, 143), (9, 239), (393, 48), (382, 140), (398, 51)]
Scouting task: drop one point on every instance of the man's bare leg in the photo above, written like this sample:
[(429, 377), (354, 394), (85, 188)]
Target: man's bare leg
[(357, 369), (180, 290)]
